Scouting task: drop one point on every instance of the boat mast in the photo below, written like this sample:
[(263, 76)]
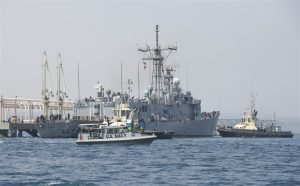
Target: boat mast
[(46, 94), (121, 78), (139, 80), (1, 109), (158, 57), (252, 103), (219, 103), (78, 85), (78, 108), (187, 77), (158, 67), (274, 118), (60, 95)]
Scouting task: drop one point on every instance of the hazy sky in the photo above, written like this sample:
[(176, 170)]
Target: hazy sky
[(226, 49)]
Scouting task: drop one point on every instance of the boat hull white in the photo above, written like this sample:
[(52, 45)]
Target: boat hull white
[(130, 140)]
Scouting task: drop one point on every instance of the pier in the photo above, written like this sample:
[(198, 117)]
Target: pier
[(21, 114), (18, 115), (16, 129)]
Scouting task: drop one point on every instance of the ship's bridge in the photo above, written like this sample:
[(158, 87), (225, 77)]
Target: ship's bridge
[(121, 112), (248, 122)]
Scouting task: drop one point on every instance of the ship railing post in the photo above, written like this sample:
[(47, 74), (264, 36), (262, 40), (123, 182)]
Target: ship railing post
[(1, 110)]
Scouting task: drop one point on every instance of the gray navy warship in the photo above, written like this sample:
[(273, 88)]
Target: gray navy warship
[(165, 106)]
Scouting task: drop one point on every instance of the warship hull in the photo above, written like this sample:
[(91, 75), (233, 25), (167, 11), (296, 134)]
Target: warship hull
[(62, 129), (254, 133), (159, 134), (194, 128)]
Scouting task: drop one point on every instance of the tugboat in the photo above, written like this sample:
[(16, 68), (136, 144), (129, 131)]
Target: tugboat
[(247, 127), (101, 134)]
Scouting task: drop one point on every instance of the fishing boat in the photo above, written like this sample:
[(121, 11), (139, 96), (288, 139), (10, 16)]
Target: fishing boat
[(102, 134), (248, 127)]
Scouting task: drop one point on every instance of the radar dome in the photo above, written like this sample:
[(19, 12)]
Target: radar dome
[(176, 81)]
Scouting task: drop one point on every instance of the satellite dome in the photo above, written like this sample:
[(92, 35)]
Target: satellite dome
[(176, 81)]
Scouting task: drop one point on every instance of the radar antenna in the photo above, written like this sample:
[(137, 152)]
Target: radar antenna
[(157, 56)]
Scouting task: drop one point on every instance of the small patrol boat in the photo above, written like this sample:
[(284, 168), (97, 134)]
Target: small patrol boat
[(101, 134), (123, 116), (247, 127)]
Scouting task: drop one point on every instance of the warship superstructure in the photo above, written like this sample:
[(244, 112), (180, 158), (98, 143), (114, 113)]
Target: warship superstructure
[(165, 106)]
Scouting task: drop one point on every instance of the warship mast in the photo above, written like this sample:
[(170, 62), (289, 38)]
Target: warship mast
[(46, 94), (157, 56), (59, 93)]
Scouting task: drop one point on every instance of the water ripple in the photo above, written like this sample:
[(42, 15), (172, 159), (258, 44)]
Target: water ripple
[(182, 161)]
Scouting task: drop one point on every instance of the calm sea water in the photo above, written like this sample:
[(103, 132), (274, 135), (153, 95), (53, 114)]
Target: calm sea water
[(181, 161)]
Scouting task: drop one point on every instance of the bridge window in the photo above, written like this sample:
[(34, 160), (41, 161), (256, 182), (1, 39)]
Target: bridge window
[(144, 108)]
